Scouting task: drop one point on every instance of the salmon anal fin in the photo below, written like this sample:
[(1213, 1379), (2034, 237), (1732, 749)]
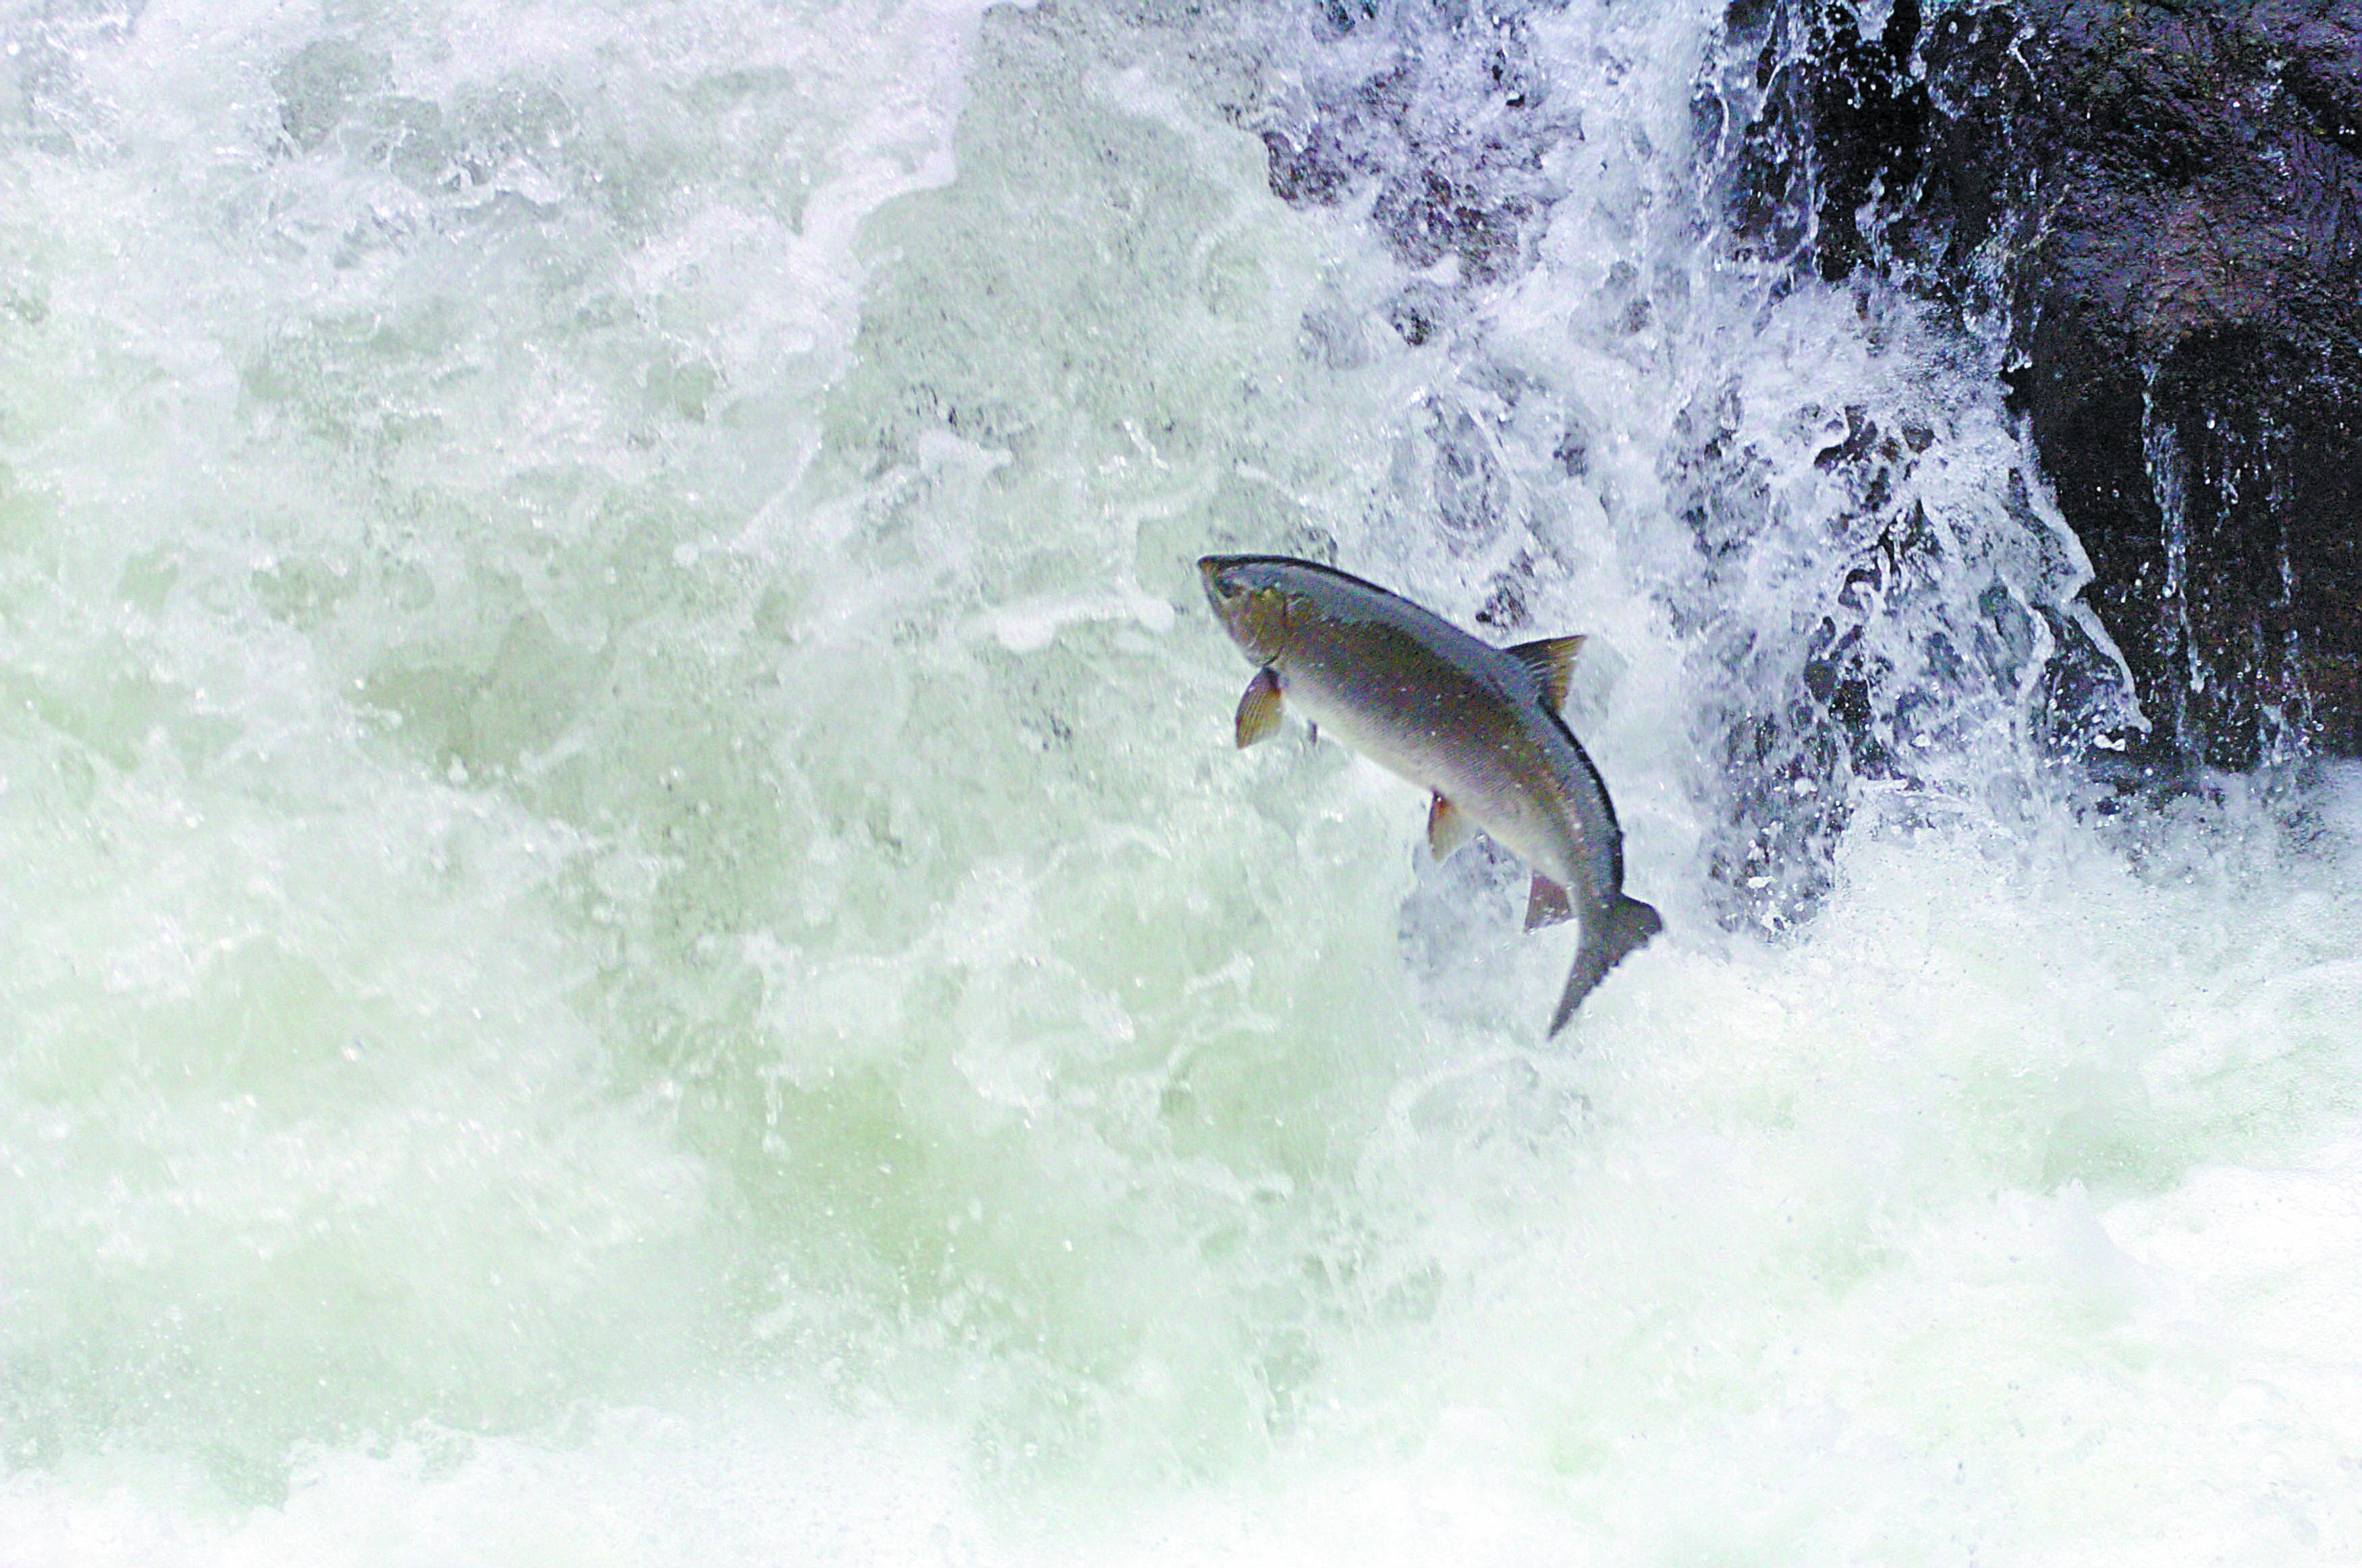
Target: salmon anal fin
[(1259, 709), (1546, 903), (1448, 828), (1553, 661)]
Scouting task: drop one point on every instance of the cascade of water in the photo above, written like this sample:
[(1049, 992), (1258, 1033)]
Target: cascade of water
[(2291, 719), (2170, 484)]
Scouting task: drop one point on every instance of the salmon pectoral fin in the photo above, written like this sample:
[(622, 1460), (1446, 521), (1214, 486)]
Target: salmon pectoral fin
[(1607, 942), (1546, 903), (1448, 828), (1553, 661), (1259, 709)]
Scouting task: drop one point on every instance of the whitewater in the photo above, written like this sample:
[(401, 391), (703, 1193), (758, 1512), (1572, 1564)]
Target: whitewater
[(630, 933)]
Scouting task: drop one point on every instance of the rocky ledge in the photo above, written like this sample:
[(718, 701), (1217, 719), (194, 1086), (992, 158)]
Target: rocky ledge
[(2158, 208)]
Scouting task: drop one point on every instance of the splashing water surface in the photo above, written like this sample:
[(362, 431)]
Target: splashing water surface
[(633, 934)]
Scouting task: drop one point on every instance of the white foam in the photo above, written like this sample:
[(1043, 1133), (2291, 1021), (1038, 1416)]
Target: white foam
[(752, 1479)]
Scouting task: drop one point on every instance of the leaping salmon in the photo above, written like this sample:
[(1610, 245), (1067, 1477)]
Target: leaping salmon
[(1476, 725)]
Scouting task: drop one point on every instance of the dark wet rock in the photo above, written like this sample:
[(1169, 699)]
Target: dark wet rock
[(1421, 311), (1426, 217), (1863, 653), (1877, 654), (2157, 207), (1434, 118), (1441, 113), (1469, 487), (1316, 173)]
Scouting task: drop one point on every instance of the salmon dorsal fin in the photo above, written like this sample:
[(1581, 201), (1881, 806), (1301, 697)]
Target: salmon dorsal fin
[(1553, 661)]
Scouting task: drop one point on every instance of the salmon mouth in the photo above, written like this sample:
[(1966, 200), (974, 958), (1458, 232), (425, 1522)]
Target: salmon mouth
[(1219, 575)]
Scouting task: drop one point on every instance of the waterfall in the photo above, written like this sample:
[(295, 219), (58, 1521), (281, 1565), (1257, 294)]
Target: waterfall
[(634, 932)]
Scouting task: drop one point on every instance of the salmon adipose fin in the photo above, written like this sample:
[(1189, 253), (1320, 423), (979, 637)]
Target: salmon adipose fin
[(1627, 923)]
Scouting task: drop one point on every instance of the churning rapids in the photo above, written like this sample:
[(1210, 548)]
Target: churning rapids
[(631, 934)]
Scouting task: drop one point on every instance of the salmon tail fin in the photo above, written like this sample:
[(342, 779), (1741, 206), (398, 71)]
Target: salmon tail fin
[(1627, 923)]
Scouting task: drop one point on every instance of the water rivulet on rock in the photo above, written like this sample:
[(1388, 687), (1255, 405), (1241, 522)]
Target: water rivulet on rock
[(2158, 208)]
